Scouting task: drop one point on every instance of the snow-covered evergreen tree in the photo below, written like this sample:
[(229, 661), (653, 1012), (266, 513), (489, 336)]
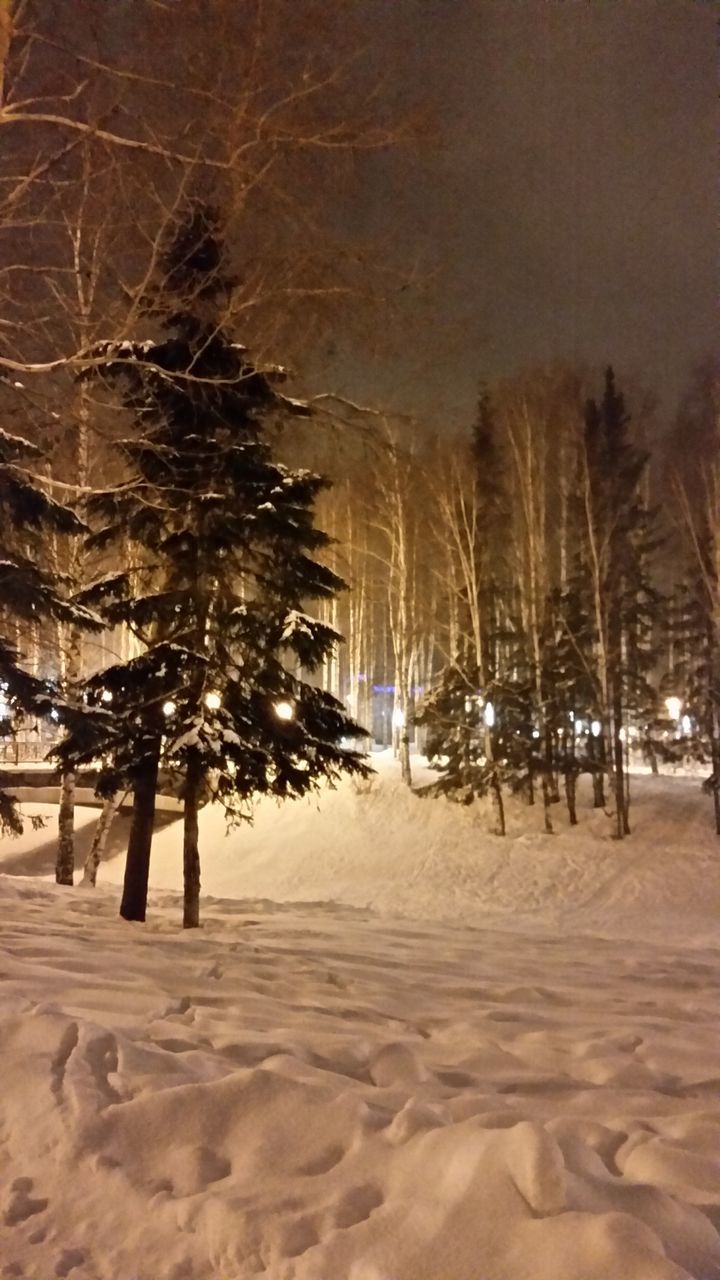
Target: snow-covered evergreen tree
[(479, 738), (466, 735), (571, 697), (619, 539), (690, 731), (224, 563)]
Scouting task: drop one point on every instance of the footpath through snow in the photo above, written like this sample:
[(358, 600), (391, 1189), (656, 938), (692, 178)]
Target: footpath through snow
[(328, 1091)]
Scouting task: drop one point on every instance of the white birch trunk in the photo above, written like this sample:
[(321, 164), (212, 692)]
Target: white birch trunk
[(102, 830)]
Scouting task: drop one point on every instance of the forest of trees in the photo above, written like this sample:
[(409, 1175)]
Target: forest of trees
[(534, 599), (190, 528)]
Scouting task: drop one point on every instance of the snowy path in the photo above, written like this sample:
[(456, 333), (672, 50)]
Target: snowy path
[(312, 1093)]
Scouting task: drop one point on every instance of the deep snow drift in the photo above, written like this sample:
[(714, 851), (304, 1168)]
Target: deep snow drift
[(320, 1092)]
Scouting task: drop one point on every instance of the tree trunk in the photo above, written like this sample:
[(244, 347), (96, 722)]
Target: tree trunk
[(622, 826), (495, 787), (571, 796), (551, 752), (137, 866), (547, 801), (597, 755), (65, 864), (498, 805), (570, 772), (715, 749), (404, 754), (100, 835), (191, 851), (626, 809), (6, 33)]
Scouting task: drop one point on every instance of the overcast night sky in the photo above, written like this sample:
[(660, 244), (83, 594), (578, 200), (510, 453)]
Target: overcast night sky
[(569, 209)]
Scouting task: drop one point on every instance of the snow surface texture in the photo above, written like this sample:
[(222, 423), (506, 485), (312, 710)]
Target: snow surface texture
[(319, 1092)]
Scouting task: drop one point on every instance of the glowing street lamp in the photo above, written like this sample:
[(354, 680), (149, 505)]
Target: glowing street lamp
[(674, 707), (169, 708), (595, 728), (284, 710), (213, 701), (106, 696), (489, 715)]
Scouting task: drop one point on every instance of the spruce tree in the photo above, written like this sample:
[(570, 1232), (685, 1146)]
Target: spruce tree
[(468, 711), (693, 675), (31, 592), (224, 562), (569, 691), (619, 541)]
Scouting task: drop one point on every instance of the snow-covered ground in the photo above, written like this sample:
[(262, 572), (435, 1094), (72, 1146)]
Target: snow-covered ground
[(399, 1049)]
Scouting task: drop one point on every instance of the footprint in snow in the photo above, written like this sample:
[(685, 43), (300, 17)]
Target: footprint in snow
[(175, 1008), (357, 1204), (22, 1205), (299, 1236), (58, 1066), (68, 1260), (323, 1163)]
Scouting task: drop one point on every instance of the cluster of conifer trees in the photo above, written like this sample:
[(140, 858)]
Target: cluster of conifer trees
[(537, 598)]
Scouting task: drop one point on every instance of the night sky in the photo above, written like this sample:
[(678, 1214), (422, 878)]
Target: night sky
[(569, 207)]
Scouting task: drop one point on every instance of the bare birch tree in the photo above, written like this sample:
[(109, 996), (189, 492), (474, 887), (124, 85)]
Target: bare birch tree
[(700, 516)]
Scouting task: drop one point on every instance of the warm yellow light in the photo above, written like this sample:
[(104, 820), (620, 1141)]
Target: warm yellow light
[(674, 707), (213, 701), (284, 710), (169, 707)]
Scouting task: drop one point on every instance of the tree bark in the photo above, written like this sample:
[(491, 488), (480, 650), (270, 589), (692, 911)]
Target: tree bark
[(137, 866), (191, 851), (552, 747), (715, 753), (597, 755), (498, 805), (571, 796), (716, 786), (6, 33), (65, 864), (100, 835), (622, 825), (570, 770), (530, 778), (404, 754)]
